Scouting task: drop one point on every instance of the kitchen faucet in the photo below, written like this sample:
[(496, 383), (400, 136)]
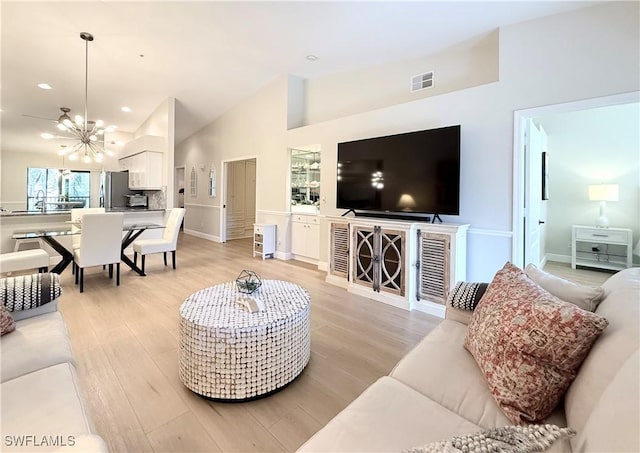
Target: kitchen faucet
[(41, 202)]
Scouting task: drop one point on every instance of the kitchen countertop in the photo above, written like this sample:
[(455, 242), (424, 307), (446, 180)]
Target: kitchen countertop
[(52, 213)]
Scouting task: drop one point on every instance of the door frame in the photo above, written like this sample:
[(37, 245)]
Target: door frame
[(224, 191), (520, 118)]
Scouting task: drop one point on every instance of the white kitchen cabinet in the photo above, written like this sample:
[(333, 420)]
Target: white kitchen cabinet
[(305, 236), (145, 170)]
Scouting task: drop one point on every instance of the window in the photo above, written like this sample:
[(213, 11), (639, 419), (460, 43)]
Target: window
[(57, 189)]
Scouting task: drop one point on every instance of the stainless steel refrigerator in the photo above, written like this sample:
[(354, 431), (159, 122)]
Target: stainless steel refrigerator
[(116, 186)]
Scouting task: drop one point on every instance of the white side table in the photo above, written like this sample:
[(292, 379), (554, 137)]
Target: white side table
[(264, 240), (603, 248)]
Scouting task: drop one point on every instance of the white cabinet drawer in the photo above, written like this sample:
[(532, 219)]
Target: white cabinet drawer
[(311, 219), (601, 235)]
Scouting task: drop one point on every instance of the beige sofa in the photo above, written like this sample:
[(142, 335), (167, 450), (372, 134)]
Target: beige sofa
[(437, 390), (42, 408)]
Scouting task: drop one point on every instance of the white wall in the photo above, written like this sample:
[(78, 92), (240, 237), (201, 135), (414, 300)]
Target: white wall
[(589, 147), (161, 123), (579, 55), (465, 65), (545, 61), (254, 128)]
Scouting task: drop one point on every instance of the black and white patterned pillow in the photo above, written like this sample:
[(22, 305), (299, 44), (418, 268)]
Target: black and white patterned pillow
[(466, 295), (24, 292)]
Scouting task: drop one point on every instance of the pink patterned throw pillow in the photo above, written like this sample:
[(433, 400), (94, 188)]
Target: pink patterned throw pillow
[(528, 344), (6, 321)]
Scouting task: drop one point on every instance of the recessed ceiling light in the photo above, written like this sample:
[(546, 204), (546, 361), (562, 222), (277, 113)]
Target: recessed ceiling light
[(311, 57), (46, 135), (44, 86), (126, 109)]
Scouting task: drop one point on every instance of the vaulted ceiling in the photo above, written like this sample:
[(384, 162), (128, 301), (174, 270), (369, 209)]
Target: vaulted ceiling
[(209, 55)]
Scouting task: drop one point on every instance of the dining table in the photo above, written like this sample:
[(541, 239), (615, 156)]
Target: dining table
[(52, 235)]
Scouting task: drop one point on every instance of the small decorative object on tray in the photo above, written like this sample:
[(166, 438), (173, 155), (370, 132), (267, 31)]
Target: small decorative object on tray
[(248, 281)]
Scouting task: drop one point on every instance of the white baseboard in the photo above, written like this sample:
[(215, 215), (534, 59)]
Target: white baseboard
[(202, 235), (558, 258), (429, 308), (283, 255), (323, 266)]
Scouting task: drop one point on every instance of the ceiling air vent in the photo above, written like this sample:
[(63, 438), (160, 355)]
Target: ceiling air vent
[(422, 81)]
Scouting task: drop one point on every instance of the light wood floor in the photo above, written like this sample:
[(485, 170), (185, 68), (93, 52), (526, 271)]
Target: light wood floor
[(125, 342), (582, 276)]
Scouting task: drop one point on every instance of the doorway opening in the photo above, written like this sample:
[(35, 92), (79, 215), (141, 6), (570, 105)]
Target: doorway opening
[(531, 204), (239, 199)]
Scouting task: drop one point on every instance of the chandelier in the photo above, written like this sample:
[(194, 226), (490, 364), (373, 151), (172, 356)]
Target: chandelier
[(89, 134)]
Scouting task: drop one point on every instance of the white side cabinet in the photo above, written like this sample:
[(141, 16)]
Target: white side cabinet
[(264, 240), (410, 265), (604, 248), (305, 236)]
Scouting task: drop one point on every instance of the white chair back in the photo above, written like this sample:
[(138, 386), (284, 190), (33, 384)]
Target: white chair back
[(76, 216), (101, 239), (172, 227)]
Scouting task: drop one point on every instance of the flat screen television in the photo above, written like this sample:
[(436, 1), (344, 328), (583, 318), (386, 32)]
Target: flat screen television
[(410, 174)]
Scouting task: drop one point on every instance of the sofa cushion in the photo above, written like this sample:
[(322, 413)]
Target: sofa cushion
[(529, 344), (388, 416), (45, 402), (441, 368), (37, 342), (7, 324), (585, 297), (621, 307)]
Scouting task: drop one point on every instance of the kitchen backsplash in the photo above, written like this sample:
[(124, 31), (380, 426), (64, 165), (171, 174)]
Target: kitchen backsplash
[(157, 198)]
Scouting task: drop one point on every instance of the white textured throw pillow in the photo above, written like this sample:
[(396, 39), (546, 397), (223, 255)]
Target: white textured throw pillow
[(508, 439), (585, 297)]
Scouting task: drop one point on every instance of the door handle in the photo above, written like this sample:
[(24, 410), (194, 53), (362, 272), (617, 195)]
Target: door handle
[(540, 222)]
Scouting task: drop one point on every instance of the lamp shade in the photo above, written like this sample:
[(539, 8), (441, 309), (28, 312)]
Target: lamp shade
[(604, 192)]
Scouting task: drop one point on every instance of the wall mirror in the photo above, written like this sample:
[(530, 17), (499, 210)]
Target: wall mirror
[(212, 181), (193, 182)]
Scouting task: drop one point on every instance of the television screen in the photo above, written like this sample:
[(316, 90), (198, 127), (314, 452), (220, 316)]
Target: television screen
[(415, 172)]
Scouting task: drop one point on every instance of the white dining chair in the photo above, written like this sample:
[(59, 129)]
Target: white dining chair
[(76, 220), (100, 244), (168, 242)]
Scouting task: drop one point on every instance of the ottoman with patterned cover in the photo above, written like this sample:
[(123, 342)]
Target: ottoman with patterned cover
[(229, 353)]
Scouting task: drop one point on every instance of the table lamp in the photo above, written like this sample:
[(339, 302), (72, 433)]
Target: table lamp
[(603, 193)]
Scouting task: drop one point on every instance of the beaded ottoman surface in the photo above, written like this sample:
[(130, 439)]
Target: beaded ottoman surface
[(228, 353)]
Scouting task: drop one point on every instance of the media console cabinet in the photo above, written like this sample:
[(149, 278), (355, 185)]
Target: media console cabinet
[(411, 265)]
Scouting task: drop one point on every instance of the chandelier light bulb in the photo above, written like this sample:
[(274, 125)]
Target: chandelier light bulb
[(79, 120), (93, 138), (68, 123), (86, 159), (62, 127), (74, 156), (100, 124)]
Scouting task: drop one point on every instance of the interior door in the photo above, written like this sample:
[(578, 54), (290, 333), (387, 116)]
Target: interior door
[(533, 195)]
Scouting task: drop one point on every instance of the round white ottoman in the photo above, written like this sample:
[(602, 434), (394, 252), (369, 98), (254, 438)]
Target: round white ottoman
[(228, 353)]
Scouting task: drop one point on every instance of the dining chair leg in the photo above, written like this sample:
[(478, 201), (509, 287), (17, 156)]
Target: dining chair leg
[(142, 259), (165, 258), (81, 272), (77, 271), (173, 258), (110, 271), (135, 258), (117, 274)]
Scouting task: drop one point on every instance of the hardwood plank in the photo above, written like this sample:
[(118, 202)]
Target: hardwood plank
[(184, 433), (126, 339)]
